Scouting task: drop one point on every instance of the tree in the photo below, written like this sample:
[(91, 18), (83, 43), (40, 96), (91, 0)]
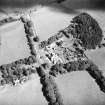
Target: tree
[(43, 44), (36, 39), (29, 23), (30, 60), (57, 68), (51, 39), (65, 34), (25, 72), (33, 51), (40, 71), (59, 43), (30, 32), (3, 82), (23, 19), (59, 35), (83, 64), (87, 30), (71, 66), (9, 19), (34, 59), (45, 65), (33, 70)]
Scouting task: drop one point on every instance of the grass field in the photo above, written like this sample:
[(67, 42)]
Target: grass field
[(48, 23), (13, 43), (78, 88), (27, 94), (98, 57)]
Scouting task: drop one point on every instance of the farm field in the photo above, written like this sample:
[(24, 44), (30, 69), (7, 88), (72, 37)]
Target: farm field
[(48, 23), (13, 43), (79, 86), (27, 94), (98, 57)]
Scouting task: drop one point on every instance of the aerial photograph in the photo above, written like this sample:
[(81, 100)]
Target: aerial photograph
[(52, 52)]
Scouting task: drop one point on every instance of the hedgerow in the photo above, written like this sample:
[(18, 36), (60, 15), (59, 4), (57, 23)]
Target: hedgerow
[(49, 88)]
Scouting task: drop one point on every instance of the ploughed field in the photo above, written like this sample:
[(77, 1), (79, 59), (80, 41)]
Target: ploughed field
[(46, 61)]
